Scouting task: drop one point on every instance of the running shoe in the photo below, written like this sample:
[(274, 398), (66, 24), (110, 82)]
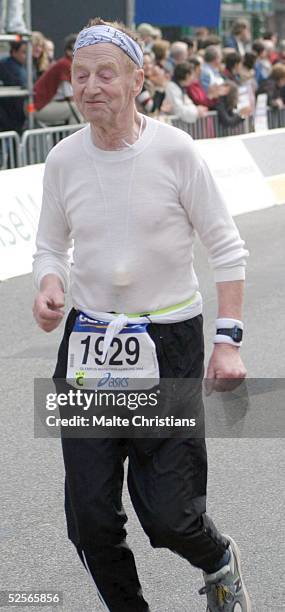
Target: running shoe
[(225, 589)]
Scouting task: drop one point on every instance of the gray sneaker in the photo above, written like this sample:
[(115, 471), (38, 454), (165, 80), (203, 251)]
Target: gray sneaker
[(225, 589)]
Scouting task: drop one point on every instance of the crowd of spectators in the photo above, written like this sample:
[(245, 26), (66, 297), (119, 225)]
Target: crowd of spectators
[(202, 73), (186, 78), (53, 96)]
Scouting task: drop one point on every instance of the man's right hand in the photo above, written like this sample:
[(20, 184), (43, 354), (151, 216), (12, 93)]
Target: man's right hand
[(48, 307)]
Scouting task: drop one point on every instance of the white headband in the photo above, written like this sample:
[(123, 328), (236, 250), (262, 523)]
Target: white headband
[(106, 34)]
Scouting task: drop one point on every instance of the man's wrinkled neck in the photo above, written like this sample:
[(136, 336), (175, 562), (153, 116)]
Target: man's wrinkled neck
[(114, 136)]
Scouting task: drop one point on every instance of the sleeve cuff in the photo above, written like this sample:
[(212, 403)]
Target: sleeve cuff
[(229, 274), (40, 275)]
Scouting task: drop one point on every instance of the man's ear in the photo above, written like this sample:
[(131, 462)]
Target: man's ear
[(138, 80)]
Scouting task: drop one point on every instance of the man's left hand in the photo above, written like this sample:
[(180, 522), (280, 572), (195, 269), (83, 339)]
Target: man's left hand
[(226, 370)]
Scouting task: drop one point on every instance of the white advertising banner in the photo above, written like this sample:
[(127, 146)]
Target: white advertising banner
[(260, 116), (21, 194), (238, 176)]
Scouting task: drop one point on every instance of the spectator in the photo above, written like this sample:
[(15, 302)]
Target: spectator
[(248, 76), (13, 72), (210, 74), (240, 36), (262, 64), (191, 44), (272, 38), (233, 67), (269, 47), (160, 49), (40, 55), (176, 95), (12, 17), (179, 52), (212, 40), (273, 86), (53, 92), (150, 99), (49, 47), (148, 35), (248, 66), (195, 90), (178, 55), (226, 108), (201, 34), (148, 64)]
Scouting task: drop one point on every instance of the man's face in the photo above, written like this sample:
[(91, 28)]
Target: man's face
[(21, 54), (104, 86)]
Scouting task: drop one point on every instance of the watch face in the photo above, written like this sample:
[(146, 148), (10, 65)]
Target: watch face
[(237, 334)]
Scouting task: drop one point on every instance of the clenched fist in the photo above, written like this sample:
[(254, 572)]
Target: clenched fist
[(48, 307)]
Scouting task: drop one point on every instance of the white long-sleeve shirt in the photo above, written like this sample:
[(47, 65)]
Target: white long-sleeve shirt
[(132, 215), (181, 105)]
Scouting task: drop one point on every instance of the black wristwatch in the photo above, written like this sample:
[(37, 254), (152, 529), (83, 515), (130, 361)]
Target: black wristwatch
[(233, 332)]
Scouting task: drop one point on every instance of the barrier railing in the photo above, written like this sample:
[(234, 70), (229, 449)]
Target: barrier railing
[(36, 144), (210, 127), (204, 127), (9, 150), (276, 118)]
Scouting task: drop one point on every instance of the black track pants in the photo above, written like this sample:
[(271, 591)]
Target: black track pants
[(167, 481)]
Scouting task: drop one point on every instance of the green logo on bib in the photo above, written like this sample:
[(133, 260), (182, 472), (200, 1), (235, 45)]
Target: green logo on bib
[(79, 377)]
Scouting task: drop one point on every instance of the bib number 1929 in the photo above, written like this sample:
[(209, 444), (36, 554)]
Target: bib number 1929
[(130, 347)]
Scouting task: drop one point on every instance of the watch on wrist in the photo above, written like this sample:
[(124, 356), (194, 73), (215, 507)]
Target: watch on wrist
[(235, 333)]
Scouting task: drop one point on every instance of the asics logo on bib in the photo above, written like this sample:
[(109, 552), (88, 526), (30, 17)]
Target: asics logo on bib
[(112, 381)]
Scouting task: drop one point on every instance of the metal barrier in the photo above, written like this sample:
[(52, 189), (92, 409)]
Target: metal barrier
[(276, 118), (204, 127), (210, 127), (36, 144), (9, 150), (244, 127)]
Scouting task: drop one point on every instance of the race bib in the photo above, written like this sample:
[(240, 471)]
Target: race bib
[(131, 356)]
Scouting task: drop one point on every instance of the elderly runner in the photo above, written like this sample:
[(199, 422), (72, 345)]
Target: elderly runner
[(131, 192)]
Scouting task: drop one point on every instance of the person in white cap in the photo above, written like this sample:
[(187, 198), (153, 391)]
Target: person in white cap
[(131, 192), (147, 35)]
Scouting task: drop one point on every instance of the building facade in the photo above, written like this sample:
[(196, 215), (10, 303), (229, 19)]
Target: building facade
[(260, 13), (277, 20)]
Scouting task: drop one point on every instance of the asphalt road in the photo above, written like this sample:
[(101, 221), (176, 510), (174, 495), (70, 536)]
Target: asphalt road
[(246, 476)]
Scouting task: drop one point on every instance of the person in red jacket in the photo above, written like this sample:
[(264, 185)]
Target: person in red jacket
[(53, 95), (197, 93)]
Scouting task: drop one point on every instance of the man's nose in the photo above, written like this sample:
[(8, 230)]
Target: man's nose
[(92, 85)]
